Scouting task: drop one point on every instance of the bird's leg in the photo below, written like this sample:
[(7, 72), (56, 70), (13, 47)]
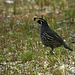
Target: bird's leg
[(51, 52)]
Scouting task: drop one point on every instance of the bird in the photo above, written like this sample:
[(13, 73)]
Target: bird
[(49, 37)]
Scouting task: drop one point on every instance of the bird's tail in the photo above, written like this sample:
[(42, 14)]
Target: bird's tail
[(68, 47)]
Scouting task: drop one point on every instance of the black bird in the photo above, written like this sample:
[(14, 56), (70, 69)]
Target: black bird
[(48, 37)]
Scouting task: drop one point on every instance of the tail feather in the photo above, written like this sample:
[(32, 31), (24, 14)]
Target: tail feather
[(68, 47)]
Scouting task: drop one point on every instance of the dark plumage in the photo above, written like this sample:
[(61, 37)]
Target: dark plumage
[(48, 37)]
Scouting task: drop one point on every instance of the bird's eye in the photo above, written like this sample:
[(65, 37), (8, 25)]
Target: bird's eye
[(40, 21)]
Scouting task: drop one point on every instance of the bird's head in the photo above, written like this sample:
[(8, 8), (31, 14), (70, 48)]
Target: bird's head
[(40, 20)]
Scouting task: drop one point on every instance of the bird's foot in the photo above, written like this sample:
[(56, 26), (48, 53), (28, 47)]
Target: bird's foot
[(51, 52)]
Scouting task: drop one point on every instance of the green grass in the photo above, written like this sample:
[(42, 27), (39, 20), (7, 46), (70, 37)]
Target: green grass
[(21, 49)]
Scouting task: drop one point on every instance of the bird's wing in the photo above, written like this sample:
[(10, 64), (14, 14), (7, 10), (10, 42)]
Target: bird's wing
[(54, 35)]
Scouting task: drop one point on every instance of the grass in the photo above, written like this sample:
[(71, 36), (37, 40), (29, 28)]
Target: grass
[(21, 50)]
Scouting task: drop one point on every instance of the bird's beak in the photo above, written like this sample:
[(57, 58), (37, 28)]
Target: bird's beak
[(36, 19)]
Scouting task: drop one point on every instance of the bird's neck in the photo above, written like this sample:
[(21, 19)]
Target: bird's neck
[(44, 27)]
